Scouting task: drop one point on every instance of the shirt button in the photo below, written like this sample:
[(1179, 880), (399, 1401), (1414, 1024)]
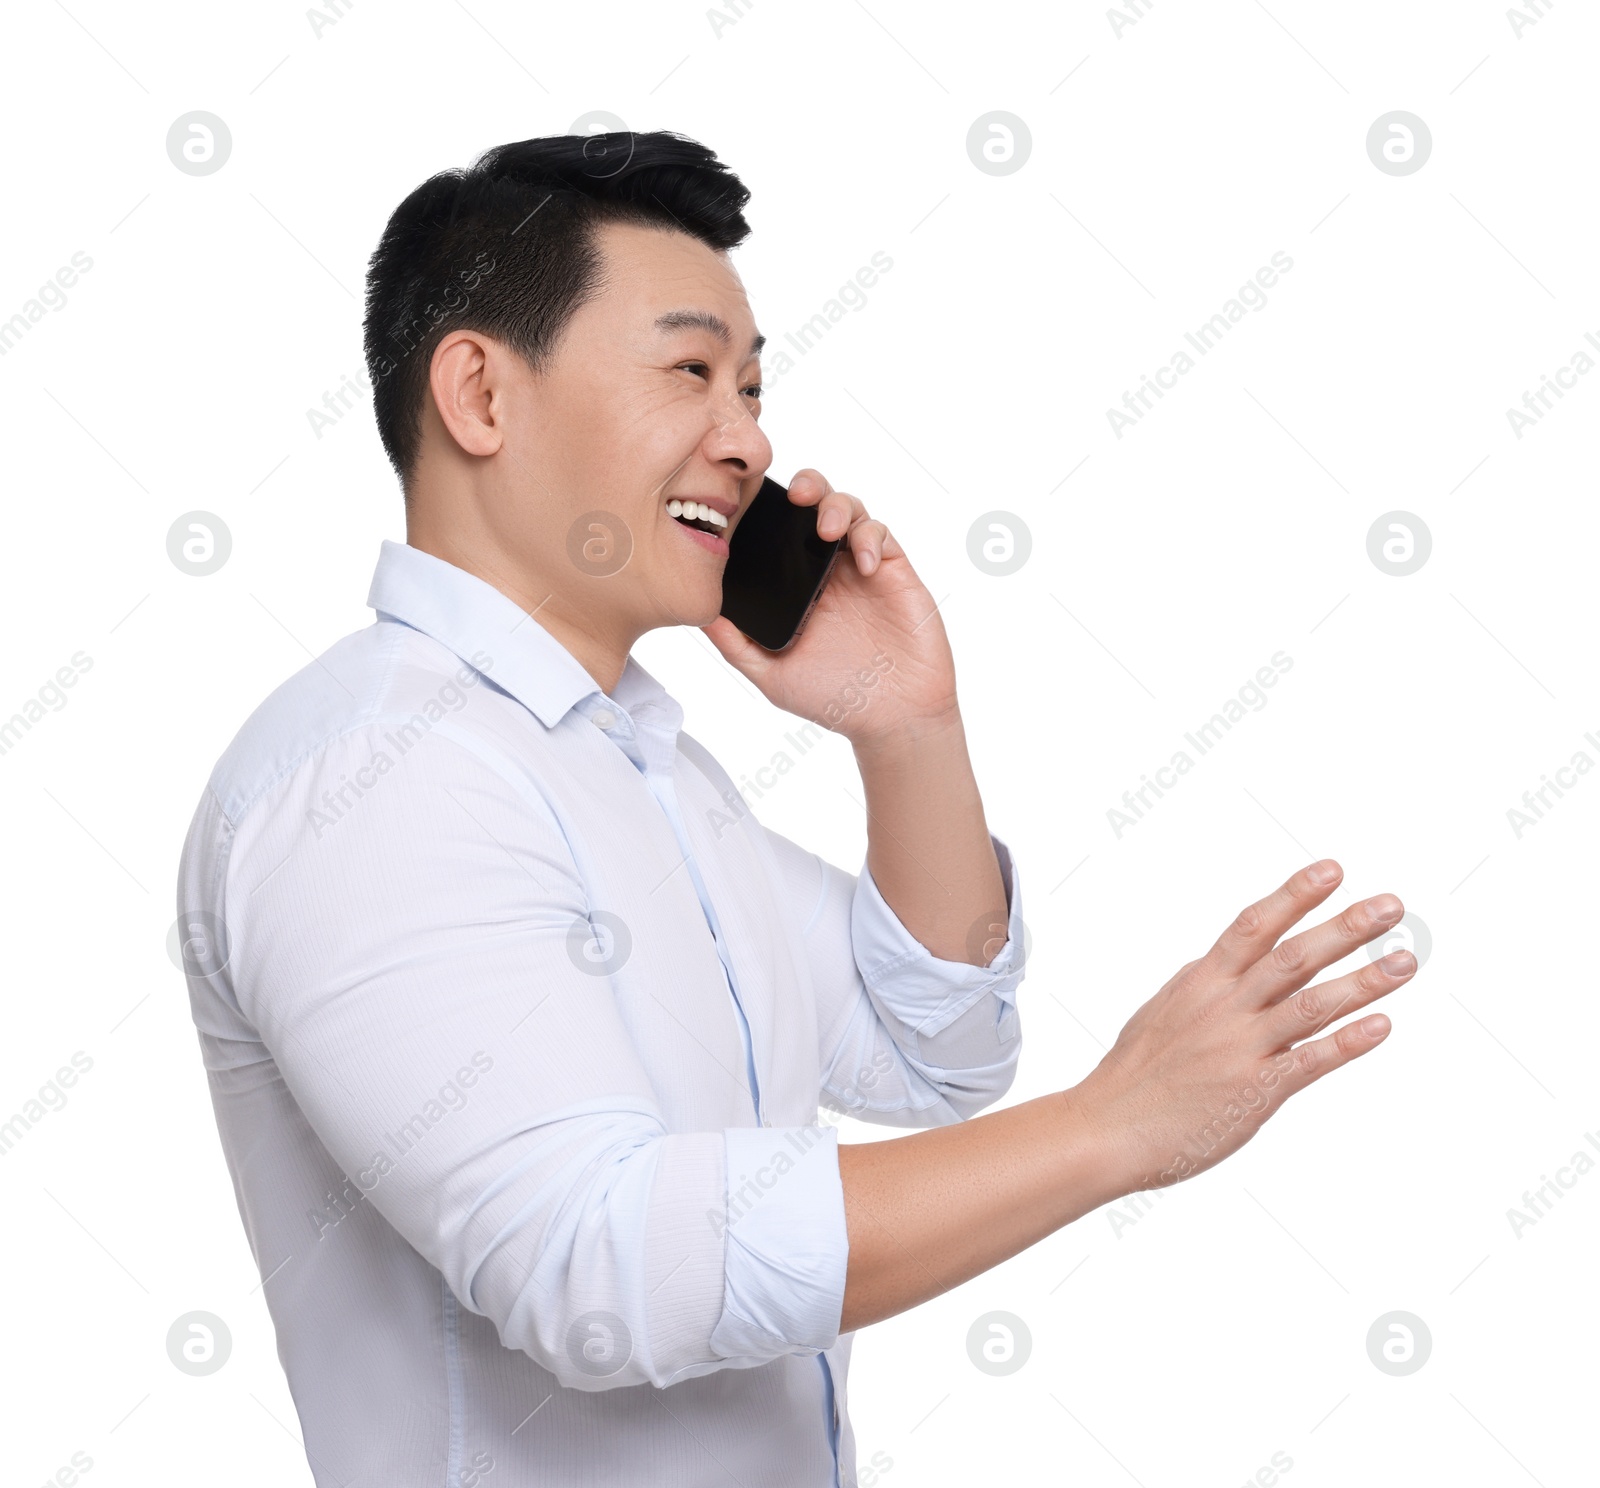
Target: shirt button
[(766, 1121), (604, 719)]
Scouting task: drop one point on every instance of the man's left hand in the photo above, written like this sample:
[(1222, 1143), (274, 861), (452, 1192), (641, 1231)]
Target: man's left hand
[(873, 659)]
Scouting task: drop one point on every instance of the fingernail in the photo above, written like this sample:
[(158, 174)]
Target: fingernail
[(1375, 1026), (1398, 963), (1383, 909), (1324, 872)]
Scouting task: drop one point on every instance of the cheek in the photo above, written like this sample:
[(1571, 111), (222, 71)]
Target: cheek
[(617, 444), (659, 446), (663, 424)]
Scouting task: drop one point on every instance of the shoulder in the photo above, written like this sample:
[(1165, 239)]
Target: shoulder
[(386, 680)]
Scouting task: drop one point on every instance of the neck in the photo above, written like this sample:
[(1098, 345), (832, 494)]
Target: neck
[(602, 652)]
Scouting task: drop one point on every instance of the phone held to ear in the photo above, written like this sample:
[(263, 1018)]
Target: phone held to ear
[(776, 568)]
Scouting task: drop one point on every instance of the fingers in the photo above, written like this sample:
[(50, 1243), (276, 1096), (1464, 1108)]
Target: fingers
[(1258, 927), (869, 541), (1293, 962), (811, 488), (839, 514), (1312, 1061), (1313, 1009), (808, 486)]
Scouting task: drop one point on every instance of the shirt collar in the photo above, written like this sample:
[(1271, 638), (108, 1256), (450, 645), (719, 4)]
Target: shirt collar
[(471, 616)]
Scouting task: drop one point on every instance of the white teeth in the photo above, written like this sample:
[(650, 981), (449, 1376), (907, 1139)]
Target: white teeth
[(696, 509)]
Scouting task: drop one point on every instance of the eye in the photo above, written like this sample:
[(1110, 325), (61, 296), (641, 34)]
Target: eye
[(702, 369)]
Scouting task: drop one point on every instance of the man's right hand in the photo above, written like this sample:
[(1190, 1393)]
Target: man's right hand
[(1226, 1041), (1190, 1079)]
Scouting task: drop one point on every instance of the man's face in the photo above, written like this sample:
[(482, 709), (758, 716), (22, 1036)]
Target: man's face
[(652, 396)]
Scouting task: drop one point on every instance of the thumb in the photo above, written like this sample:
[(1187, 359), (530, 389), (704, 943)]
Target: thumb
[(737, 649)]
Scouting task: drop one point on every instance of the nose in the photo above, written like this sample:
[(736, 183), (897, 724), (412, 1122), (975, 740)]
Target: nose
[(735, 441)]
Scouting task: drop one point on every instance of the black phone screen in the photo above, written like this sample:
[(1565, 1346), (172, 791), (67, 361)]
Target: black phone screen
[(776, 567)]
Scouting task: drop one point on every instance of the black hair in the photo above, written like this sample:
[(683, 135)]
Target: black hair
[(507, 247)]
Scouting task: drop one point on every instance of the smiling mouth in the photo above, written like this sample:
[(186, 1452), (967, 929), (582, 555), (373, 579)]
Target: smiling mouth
[(698, 516)]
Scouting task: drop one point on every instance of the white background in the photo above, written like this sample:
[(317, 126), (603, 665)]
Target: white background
[(1170, 158)]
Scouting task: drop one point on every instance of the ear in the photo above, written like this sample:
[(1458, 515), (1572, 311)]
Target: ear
[(463, 378)]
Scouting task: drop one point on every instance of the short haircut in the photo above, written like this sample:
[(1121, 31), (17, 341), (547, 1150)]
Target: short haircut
[(507, 247)]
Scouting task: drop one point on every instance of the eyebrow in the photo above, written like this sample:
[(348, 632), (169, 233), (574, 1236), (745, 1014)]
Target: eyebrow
[(703, 320)]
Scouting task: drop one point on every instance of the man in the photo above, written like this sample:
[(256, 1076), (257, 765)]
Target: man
[(517, 1022)]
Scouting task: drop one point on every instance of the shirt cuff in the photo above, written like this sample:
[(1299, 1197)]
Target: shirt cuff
[(787, 1245), (924, 991)]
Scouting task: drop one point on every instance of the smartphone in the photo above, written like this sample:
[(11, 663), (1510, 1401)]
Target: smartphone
[(777, 566)]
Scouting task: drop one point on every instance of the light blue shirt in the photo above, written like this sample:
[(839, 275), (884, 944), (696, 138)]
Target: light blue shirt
[(517, 1025)]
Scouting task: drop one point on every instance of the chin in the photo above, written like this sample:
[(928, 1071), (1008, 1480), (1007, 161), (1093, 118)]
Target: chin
[(704, 614), (693, 603)]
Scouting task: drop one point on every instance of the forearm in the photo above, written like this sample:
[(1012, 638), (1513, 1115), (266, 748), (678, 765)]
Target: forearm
[(927, 1212), (1190, 1079), (928, 845)]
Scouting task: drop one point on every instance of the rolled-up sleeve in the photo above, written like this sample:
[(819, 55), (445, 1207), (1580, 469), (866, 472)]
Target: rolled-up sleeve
[(787, 1243), (907, 1038), (405, 959)]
